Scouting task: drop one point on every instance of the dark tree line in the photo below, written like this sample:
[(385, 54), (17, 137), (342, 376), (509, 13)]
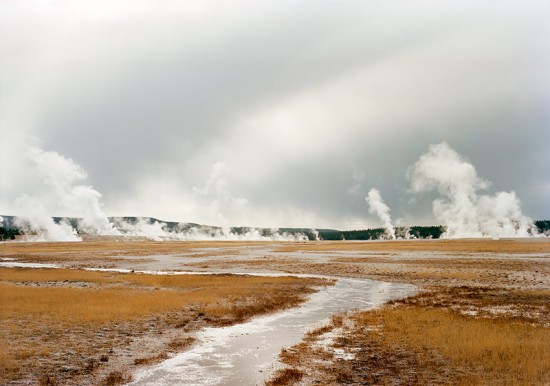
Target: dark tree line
[(419, 232), (543, 226), (8, 233)]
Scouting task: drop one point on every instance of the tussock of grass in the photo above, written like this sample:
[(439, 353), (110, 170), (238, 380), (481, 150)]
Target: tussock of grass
[(47, 380), (180, 344), (150, 360), (116, 378), (287, 376), (9, 366)]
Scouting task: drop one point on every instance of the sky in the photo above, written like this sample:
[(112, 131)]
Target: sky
[(269, 113)]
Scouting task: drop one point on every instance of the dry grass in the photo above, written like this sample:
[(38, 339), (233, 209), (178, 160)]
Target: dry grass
[(75, 306), (435, 338), (105, 249), (217, 294), (52, 275), (541, 245), (511, 310), (286, 376), (114, 246), (180, 344), (115, 378), (531, 306), (151, 360), (493, 351), (46, 313)]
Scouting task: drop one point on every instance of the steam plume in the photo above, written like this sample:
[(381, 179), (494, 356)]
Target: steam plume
[(159, 231), (217, 198), (60, 181), (43, 228), (378, 207), (60, 189), (462, 210)]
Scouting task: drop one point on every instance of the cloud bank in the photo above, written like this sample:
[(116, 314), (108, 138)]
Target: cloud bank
[(294, 108)]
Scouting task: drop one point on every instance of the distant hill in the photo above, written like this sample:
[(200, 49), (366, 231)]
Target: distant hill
[(9, 229)]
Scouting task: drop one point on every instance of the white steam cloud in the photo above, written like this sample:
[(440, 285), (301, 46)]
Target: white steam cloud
[(61, 187), (160, 231), (462, 210), (378, 207), (217, 198), (58, 185), (43, 228)]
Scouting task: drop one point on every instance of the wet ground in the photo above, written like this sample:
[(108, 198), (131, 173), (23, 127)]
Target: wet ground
[(246, 354)]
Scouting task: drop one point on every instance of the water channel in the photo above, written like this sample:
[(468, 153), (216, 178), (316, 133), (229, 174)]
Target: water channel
[(246, 354)]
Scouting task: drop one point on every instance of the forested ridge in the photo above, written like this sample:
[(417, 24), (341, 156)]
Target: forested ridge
[(9, 229)]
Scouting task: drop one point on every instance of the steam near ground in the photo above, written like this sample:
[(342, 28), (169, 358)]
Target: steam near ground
[(63, 188), (461, 207), (463, 210), (378, 207)]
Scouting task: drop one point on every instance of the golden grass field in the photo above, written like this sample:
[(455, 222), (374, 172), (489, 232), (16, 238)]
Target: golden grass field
[(47, 313), (483, 316), (421, 346)]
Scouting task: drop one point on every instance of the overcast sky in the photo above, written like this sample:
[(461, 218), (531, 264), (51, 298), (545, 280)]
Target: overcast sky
[(274, 113)]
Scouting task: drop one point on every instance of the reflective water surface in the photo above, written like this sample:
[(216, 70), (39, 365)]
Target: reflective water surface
[(246, 354)]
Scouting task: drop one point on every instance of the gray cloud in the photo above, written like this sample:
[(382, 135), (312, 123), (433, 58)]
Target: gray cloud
[(296, 98)]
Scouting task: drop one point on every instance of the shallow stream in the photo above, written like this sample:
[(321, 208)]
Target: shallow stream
[(246, 354)]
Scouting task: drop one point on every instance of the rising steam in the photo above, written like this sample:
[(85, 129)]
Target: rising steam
[(61, 187), (378, 207), (58, 185), (160, 231), (217, 198), (462, 210)]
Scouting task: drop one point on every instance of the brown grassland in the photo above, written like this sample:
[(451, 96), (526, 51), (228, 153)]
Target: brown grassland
[(63, 326), (442, 336), (478, 321), (482, 316)]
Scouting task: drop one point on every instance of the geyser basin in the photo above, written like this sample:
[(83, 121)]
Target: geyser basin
[(246, 354)]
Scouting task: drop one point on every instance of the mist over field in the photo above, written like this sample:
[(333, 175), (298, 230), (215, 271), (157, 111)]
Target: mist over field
[(347, 115)]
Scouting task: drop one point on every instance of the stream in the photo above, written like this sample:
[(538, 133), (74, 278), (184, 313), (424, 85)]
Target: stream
[(246, 354)]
